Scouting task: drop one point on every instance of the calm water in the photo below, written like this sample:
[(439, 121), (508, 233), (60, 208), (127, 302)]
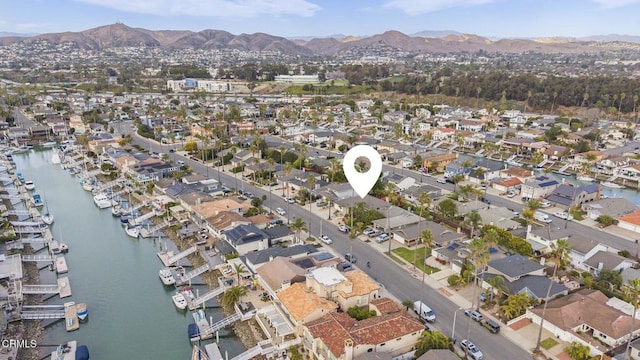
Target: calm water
[(131, 315)]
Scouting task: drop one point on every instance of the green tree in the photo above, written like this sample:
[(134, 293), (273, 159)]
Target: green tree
[(474, 220), (448, 208), (516, 305), (577, 351), (632, 290), (432, 340), (497, 285), (233, 294), (407, 304), (191, 146), (239, 269), (298, 226), (360, 313)]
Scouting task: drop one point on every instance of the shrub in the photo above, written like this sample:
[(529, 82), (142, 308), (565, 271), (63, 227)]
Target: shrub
[(506, 239), (360, 313), (606, 220)]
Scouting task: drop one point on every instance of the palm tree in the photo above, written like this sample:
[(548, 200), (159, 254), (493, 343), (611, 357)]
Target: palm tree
[(622, 97), (432, 340), (478, 91), (282, 150), (424, 200), (456, 179), (233, 294), (288, 167), (497, 285), (334, 167), (474, 219), (480, 255), (298, 226), (632, 290), (311, 181), (239, 269), (555, 95), (407, 304), (635, 102), (354, 232)]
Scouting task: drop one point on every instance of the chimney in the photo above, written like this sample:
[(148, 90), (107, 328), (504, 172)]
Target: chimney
[(600, 266), (285, 284), (348, 349)]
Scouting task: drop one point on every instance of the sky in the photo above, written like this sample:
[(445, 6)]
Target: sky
[(303, 18)]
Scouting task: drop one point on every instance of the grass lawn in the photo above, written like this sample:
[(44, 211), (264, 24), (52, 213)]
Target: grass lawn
[(577, 215), (548, 343), (408, 255)]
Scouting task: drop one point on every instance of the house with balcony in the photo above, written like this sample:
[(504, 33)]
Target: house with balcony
[(246, 238), (570, 196), (353, 288), (538, 188)]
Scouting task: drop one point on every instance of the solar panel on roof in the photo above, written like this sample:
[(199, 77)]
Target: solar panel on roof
[(453, 246), (323, 256)]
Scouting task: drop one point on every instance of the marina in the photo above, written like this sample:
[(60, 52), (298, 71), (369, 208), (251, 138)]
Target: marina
[(114, 292)]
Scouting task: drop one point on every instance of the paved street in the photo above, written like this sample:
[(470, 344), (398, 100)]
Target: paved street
[(394, 278)]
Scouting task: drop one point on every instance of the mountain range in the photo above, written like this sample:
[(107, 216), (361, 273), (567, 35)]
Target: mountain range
[(121, 35)]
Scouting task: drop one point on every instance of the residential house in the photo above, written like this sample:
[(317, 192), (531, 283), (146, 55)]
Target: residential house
[(280, 273), (585, 317), (517, 172), (556, 153), (541, 238), (412, 194), (506, 185), (384, 306), (303, 306), (630, 221), (16, 133), (500, 217), (256, 259), (401, 182), (318, 137), (614, 207), (222, 221), (353, 288), (538, 187), (514, 267), (583, 248), (571, 196), (189, 199), (246, 238), (438, 162), (338, 336), (608, 261)]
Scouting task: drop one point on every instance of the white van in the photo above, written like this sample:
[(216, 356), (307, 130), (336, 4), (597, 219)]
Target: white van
[(424, 311), (542, 217)]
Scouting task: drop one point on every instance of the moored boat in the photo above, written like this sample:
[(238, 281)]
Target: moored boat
[(63, 248), (36, 200), (29, 185), (47, 218), (132, 231), (87, 185), (55, 157), (179, 301), (116, 210), (82, 311), (611, 185), (585, 178), (102, 201), (20, 177), (166, 276), (71, 351)]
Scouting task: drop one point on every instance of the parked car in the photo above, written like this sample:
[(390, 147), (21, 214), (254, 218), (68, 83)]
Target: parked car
[(382, 238), (511, 194), (350, 258), (344, 228), (563, 215), (281, 211), (290, 200), (475, 315), (346, 266), (325, 239), (368, 231), (545, 203), (375, 233), (180, 162), (471, 349), (486, 296), (441, 181), (525, 198), (485, 200), (542, 217), (491, 325)]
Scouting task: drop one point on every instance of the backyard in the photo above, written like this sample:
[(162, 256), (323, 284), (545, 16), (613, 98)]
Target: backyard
[(409, 255)]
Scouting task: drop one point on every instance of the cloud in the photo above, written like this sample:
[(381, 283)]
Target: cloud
[(415, 7), (211, 8), (608, 4)]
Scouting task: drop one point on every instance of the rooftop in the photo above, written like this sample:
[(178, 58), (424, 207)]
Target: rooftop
[(301, 302), (328, 276)]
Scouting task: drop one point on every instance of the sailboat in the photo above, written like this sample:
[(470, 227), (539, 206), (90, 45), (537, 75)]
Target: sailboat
[(46, 217)]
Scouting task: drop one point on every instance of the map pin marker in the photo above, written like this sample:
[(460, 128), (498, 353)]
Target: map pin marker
[(362, 183)]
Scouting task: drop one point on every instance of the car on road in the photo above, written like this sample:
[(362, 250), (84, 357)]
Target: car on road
[(563, 215), (350, 258), (441, 181), (382, 238), (290, 200), (485, 200), (471, 349), (525, 198), (511, 194), (344, 228), (491, 325), (325, 239), (249, 195), (515, 213), (180, 162), (475, 315), (281, 211)]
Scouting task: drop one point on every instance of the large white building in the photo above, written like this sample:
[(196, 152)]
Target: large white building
[(298, 79), (202, 85)]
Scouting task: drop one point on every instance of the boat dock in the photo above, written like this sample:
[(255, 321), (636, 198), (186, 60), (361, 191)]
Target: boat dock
[(140, 219), (168, 258), (64, 287), (148, 232), (182, 279), (208, 331), (71, 316), (61, 265), (193, 304)]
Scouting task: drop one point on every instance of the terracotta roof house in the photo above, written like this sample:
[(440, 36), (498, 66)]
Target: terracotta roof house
[(630, 221), (339, 336), (346, 289), (302, 305), (506, 185), (384, 305), (517, 172), (585, 317)]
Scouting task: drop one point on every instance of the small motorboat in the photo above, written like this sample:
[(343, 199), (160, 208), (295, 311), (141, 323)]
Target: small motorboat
[(82, 311), (612, 185), (37, 200), (116, 211), (166, 276), (63, 248), (87, 185), (132, 231), (47, 218), (179, 301), (29, 185)]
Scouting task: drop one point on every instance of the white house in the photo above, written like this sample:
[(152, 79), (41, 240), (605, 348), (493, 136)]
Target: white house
[(583, 248)]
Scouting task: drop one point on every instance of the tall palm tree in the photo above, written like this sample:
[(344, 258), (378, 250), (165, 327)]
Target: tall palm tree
[(497, 285), (239, 269), (282, 150), (288, 167), (622, 97), (474, 219), (354, 232), (298, 226), (334, 167), (480, 255), (632, 290), (233, 294), (425, 201)]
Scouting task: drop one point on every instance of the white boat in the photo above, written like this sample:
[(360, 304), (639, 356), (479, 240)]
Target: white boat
[(611, 185), (132, 231), (55, 158), (63, 248), (179, 301), (87, 185), (166, 276), (47, 218), (29, 185), (116, 210), (82, 311), (48, 144), (585, 178), (102, 201)]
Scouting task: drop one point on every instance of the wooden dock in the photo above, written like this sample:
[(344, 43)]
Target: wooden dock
[(61, 265), (165, 256), (64, 287), (71, 316)]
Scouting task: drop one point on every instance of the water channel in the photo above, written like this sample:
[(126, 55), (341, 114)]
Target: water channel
[(131, 314)]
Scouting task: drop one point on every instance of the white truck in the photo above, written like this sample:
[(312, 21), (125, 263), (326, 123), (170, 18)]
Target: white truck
[(424, 311), (542, 217)]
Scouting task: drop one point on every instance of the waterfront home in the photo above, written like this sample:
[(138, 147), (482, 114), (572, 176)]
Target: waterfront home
[(607, 261), (346, 289), (256, 259), (585, 317), (222, 221), (16, 133), (556, 153), (302, 305), (190, 199), (338, 336), (571, 196), (614, 207), (583, 248), (246, 238), (280, 273), (538, 187), (517, 172)]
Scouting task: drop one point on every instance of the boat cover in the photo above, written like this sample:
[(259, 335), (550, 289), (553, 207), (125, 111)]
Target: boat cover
[(82, 353)]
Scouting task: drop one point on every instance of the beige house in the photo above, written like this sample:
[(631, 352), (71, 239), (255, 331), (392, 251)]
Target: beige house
[(302, 305), (353, 288)]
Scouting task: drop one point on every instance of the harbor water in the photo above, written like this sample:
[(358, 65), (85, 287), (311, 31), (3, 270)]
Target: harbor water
[(131, 314)]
